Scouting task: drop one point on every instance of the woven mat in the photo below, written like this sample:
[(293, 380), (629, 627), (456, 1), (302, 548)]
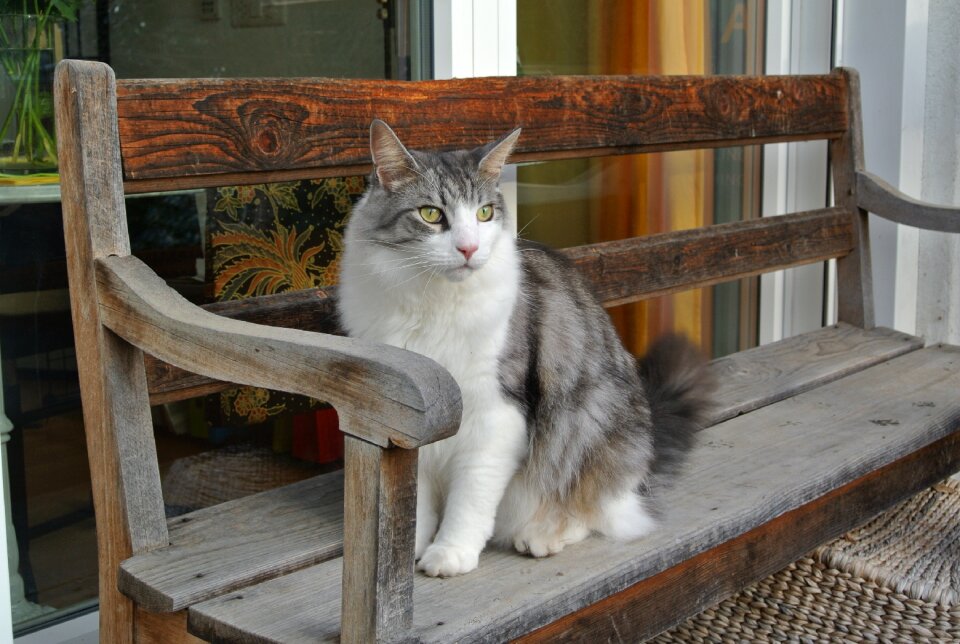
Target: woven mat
[(896, 579)]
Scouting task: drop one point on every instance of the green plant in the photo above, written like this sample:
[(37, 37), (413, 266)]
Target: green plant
[(26, 31)]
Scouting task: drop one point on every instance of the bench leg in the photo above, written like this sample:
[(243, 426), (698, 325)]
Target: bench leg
[(379, 529)]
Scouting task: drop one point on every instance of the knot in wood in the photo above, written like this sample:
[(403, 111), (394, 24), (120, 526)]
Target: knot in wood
[(273, 130), (727, 101)]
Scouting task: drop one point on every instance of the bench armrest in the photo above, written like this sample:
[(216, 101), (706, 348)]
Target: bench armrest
[(384, 395), (879, 197)]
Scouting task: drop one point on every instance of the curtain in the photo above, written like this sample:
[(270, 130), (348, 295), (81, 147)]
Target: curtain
[(652, 193)]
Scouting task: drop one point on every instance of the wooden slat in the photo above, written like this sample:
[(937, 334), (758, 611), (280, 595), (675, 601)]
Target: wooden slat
[(643, 267), (879, 197), (619, 272), (295, 128), (383, 394), (240, 542), (757, 377), (746, 472)]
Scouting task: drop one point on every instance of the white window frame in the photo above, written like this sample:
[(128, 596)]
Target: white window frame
[(478, 38)]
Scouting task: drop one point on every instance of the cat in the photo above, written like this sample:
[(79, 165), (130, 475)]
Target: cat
[(563, 432)]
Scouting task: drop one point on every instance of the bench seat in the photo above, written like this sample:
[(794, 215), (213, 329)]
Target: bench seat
[(221, 549), (766, 486)]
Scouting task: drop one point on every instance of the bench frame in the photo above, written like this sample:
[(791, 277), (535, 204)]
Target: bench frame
[(117, 138)]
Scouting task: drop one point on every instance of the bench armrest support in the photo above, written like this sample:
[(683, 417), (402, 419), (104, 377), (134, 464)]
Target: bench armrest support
[(384, 395), (879, 197)]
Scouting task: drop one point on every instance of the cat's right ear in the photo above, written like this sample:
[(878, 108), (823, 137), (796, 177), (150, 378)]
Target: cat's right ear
[(394, 165)]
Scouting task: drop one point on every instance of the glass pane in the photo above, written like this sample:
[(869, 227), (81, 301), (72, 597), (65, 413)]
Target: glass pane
[(592, 200), (219, 446)]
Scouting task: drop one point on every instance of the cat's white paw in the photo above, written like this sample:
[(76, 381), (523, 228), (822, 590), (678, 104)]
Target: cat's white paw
[(447, 561)]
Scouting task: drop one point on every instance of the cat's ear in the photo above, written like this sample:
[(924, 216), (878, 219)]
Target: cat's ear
[(394, 165), (495, 155)]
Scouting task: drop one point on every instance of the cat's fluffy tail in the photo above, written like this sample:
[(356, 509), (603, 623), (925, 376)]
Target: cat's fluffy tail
[(679, 387)]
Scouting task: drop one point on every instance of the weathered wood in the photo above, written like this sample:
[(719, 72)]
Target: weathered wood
[(379, 529), (757, 377), (665, 600), (162, 628), (746, 472), (293, 128), (644, 267), (307, 310), (854, 275), (879, 197), (288, 528), (228, 546), (383, 394), (121, 451)]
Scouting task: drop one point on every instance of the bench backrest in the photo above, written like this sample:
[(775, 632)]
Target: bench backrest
[(197, 133)]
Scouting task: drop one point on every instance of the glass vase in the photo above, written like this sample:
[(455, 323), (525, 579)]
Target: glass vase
[(29, 45)]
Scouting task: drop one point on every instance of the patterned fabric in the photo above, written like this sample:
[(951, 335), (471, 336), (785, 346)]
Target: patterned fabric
[(270, 238)]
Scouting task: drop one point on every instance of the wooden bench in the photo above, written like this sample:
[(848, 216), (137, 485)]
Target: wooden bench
[(813, 435)]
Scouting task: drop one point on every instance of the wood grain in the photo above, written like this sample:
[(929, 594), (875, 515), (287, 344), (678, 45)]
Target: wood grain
[(879, 197), (757, 377), (854, 275), (644, 267), (288, 528), (120, 446), (383, 394), (379, 528), (746, 472), (667, 599), (203, 128), (162, 628), (234, 544)]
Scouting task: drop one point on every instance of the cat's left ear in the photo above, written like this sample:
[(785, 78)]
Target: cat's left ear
[(393, 163), (495, 155)]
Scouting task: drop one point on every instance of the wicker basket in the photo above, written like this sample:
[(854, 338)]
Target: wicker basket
[(896, 579)]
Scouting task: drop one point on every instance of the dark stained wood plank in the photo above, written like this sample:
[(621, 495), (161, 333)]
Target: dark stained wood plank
[(379, 527), (118, 429), (752, 470), (643, 267), (388, 395), (879, 197), (230, 127), (225, 547)]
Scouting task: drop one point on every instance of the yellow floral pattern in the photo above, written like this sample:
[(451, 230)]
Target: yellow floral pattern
[(270, 238)]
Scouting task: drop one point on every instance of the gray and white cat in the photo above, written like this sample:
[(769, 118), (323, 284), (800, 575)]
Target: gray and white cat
[(563, 430)]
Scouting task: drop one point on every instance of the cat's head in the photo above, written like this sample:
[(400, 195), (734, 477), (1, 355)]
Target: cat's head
[(436, 212)]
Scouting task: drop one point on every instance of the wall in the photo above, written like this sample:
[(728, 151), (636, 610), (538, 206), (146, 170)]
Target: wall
[(938, 288)]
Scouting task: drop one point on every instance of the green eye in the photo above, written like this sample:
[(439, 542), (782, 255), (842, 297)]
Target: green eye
[(430, 214), (485, 213)]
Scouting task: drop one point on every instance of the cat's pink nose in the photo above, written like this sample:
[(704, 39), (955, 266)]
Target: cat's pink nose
[(467, 251)]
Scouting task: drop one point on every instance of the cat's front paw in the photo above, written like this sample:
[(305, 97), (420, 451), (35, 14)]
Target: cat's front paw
[(447, 561)]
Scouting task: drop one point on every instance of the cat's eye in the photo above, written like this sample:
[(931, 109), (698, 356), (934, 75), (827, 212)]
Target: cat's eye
[(430, 214), (485, 213)]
